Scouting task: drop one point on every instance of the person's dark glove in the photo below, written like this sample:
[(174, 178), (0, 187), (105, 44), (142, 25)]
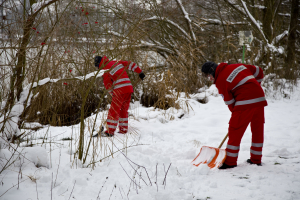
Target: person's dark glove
[(142, 75)]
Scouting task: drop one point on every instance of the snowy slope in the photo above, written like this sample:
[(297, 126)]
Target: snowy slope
[(157, 162)]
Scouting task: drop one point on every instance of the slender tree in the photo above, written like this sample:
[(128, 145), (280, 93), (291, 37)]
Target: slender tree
[(290, 60)]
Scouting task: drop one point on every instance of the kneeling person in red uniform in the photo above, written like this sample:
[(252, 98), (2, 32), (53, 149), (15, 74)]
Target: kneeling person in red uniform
[(118, 84), (239, 85)]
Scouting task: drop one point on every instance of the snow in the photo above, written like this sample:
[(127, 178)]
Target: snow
[(280, 36), (38, 5), (186, 16), (148, 44), (259, 7), (46, 80), (285, 14), (157, 161)]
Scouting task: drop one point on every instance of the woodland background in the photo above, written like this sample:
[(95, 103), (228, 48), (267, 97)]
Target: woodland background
[(47, 50)]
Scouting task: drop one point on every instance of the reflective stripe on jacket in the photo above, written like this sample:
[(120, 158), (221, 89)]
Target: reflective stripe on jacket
[(239, 85), (116, 78)]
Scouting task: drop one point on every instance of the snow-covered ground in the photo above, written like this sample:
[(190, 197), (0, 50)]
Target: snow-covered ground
[(157, 161)]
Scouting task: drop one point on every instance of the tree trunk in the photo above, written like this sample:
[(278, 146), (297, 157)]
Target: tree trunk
[(19, 71), (292, 37), (17, 79), (268, 19)]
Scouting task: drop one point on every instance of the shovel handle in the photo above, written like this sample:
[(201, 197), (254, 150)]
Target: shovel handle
[(223, 141)]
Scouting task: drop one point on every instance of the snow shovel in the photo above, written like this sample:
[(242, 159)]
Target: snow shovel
[(213, 157)]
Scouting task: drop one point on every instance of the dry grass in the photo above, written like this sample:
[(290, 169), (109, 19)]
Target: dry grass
[(60, 104)]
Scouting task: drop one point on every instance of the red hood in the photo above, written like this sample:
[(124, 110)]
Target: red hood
[(104, 62), (219, 69)]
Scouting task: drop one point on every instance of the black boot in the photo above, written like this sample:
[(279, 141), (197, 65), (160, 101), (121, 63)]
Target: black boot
[(225, 166), (250, 162), (108, 134), (103, 133), (99, 133)]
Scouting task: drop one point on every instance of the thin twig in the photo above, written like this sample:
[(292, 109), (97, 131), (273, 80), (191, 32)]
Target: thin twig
[(134, 163), (15, 150), (136, 171), (50, 153), (156, 177), (165, 179), (71, 146), (101, 188), (51, 185), (13, 187), (20, 172), (37, 193), (129, 176), (7, 163), (113, 153), (112, 190), (134, 174), (124, 193), (72, 189), (57, 168)]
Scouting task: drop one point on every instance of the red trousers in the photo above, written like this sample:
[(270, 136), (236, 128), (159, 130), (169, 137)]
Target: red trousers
[(118, 112), (237, 126)]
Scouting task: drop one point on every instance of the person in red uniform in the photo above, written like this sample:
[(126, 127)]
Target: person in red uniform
[(239, 86), (117, 82)]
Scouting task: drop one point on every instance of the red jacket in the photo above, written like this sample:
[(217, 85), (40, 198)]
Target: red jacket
[(116, 79), (239, 85)]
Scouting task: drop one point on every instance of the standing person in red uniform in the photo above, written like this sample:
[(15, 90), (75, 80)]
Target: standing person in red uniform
[(239, 85), (118, 84)]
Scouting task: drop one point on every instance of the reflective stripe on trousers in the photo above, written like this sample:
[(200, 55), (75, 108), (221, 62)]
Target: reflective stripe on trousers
[(112, 121), (123, 119), (118, 111), (112, 126), (123, 124), (237, 126), (256, 152), (257, 144), (232, 151), (232, 154), (233, 147)]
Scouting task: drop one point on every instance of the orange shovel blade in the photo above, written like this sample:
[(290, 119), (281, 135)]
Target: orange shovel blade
[(214, 157)]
